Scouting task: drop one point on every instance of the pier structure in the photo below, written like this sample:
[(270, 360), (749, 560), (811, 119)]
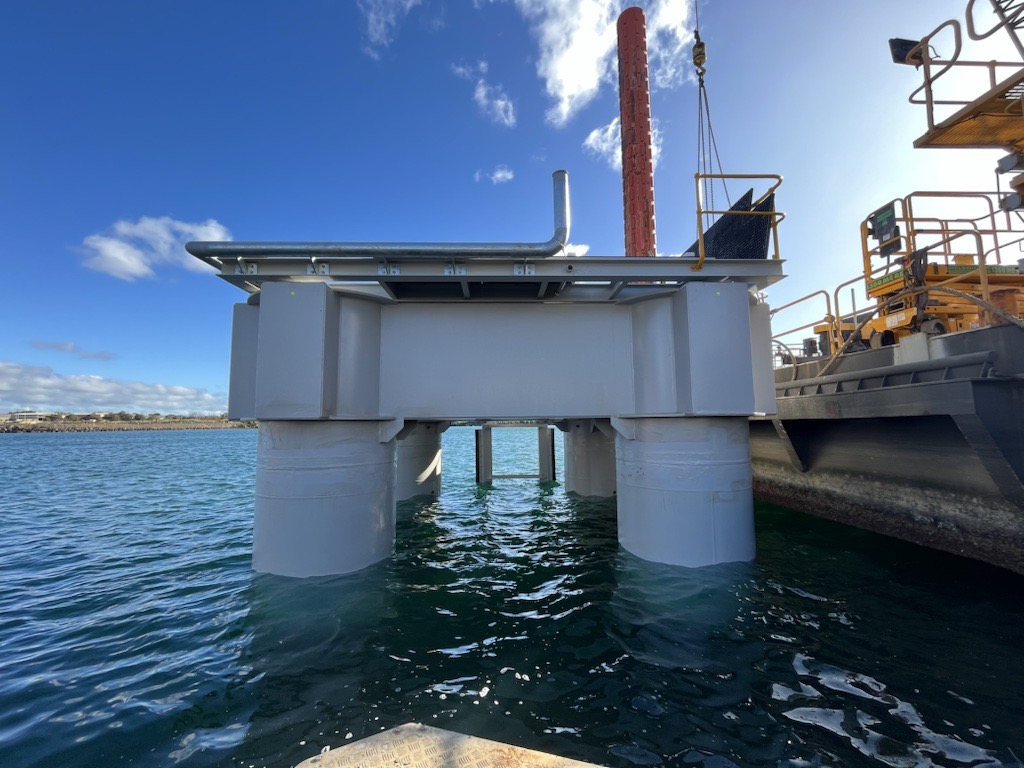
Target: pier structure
[(355, 357)]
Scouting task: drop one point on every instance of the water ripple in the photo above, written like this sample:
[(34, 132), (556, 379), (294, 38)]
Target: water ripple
[(134, 632)]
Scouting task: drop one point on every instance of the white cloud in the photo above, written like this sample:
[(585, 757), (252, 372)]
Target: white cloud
[(577, 44), (605, 143), (468, 72), (501, 174), (668, 41), (492, 99), (130, 250), (576, 249), (382, 20), (577, 41), (576, 48), (72, 348), (494, 103), (25, 387)]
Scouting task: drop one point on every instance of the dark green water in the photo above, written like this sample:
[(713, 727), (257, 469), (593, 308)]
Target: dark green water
[(133, 631)]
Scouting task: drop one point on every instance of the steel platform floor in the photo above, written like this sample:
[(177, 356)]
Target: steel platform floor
[(992, 121)]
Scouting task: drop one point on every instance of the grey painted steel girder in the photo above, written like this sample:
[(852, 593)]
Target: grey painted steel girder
[(648, 273)]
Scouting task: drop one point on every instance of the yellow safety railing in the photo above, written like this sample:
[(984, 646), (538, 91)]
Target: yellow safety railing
[(834, 317), (775, 217), (1009, 19), (1000, 223), (998, 230), (778, 337), (934, 67), (976, 243)]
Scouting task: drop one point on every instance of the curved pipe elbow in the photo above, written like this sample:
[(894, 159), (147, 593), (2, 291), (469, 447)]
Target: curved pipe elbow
[(222, 250)]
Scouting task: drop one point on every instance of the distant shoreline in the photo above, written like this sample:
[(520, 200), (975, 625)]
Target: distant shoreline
[(12, 427)]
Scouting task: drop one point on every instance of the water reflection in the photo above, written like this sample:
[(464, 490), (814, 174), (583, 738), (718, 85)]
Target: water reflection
[(512, 614), (314, 643), (680, 618), (692, 665), (135, 633)]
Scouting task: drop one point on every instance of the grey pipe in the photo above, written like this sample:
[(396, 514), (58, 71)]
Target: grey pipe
[(218, 252)]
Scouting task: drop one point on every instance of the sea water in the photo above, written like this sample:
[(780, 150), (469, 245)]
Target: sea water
[(133, 631)]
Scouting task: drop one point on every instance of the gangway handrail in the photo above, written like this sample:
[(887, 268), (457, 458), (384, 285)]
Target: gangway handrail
[(923, 51)]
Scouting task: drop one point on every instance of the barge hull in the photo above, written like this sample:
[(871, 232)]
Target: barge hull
[(930, 451), (861, 476)]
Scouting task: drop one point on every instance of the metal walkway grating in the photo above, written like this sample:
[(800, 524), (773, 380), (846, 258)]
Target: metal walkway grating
[(992, 121)]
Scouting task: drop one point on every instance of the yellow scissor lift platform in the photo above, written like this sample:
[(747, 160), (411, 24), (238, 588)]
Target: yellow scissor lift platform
[(929, 272)]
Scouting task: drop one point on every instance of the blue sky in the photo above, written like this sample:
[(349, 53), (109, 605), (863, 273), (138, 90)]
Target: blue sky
[(127, 128)]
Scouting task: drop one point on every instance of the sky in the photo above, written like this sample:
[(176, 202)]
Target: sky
[(128, 128)]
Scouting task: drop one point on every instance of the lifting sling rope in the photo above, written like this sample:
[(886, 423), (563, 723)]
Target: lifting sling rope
[(706, 144)]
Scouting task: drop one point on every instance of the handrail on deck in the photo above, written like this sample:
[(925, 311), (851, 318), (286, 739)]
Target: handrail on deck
[(828, 314)]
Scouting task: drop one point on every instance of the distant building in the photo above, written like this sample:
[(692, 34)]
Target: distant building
[(28, 415)]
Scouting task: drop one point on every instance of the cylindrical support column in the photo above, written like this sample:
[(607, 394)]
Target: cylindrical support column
[(589, 460), (419, 463), (635, 127), (685, 492), (325, 497)]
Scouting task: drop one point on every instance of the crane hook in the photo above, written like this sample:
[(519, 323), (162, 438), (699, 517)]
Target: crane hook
[(700, 54)]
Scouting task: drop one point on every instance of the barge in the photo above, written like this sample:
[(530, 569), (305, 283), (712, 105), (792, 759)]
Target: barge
[(908, 418)]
